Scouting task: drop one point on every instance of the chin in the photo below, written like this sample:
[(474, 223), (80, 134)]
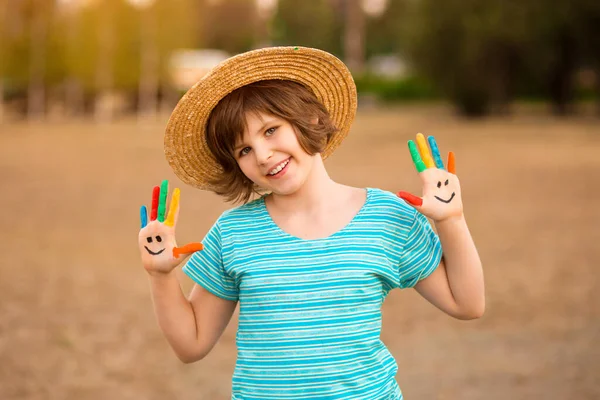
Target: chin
[(286, 190)]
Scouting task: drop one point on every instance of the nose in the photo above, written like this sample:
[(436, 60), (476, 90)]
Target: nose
[(263, 153)]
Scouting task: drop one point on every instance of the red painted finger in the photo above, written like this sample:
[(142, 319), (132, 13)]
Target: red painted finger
[(411, 198), (451, 163), (187, 249), (154, 210)]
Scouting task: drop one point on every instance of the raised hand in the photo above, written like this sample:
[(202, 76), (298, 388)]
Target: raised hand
[(441, 188), (156, 239)]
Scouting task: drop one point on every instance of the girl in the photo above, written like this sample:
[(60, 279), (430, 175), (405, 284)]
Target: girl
[(310, 261)]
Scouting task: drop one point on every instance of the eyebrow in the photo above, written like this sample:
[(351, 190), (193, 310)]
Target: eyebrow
[(267, 122)]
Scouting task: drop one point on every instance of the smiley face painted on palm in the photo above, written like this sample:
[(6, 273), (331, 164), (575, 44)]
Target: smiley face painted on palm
[(441, 188), (150, 240)]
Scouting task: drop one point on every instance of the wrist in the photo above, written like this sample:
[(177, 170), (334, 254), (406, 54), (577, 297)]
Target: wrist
[(450, 220), (160, 275)]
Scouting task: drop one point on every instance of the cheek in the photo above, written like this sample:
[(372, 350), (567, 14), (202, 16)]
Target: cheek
[(245, 164)]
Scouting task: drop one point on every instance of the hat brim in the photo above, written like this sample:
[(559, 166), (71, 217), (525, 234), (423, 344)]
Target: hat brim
[(185, 139)]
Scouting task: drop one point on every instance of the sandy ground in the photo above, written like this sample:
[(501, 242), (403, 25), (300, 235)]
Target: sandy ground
[(76, 319)]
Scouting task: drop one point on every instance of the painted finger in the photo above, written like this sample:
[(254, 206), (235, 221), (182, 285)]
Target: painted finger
[(416, 157), (411, 198), (155, 194), (174, 208), (451, 163), (187, 249), (424, 150), (144, 216), (162, 203), (435, 152)]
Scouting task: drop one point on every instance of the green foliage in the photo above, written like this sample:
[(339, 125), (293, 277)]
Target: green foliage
[(102, 33), (409, 88), (229, 25), (310, 23), (385, 33)]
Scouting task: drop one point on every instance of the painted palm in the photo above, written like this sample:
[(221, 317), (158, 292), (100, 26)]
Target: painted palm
[(156, 239), (441, 189)]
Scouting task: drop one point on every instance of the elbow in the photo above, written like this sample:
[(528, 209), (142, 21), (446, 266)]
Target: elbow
[(186, 359), (189, 357), (474, 312)]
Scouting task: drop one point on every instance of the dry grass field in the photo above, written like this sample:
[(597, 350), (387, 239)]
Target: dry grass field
[(76, 319)]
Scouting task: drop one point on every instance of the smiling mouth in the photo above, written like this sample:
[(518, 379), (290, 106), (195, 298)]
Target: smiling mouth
[(153, 253), (445, 201)]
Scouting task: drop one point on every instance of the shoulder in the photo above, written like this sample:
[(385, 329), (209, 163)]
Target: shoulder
[(389, 202), (241, 217)]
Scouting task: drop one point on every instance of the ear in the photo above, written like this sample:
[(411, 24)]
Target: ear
[(315, 120)]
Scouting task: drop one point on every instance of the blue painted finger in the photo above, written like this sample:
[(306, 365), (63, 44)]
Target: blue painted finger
[(435, 152), (144, 216)]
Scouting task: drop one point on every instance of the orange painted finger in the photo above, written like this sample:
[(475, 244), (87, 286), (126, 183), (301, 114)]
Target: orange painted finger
[(424, 150), (451, 163), (411, 198), (187, 249), (170, 221)]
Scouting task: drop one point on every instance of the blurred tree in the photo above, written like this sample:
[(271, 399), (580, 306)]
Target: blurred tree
[(567, 37), (228, 25), (354, 35), (3, 53), (384, 29), (40, 13), (470, 49), (310, 23)]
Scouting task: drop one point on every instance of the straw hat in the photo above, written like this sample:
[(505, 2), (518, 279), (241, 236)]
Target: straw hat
[(328, 78)]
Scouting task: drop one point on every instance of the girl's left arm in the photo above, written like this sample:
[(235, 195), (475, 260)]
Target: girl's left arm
[(456, 286)]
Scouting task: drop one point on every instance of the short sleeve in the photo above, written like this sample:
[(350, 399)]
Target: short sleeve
[(207, 270), (421, 254)]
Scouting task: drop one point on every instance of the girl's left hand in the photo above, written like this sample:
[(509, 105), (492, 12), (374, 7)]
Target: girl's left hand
[(441, 189)]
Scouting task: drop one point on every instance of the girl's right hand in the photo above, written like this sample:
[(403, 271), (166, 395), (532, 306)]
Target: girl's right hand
[(158, 248)]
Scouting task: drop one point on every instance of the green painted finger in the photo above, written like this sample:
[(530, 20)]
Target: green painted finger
[(435, 152), (416, 157), (162, 203)]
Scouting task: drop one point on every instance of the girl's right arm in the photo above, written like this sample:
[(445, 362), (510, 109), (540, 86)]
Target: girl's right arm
[(192, 327)]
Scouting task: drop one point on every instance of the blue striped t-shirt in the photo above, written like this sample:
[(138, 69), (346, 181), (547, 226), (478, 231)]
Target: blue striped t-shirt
[(310, 310)]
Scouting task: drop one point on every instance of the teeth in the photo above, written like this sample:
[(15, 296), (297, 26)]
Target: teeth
[(279, 167)]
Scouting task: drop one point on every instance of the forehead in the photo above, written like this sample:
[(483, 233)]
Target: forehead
[(255, 121)]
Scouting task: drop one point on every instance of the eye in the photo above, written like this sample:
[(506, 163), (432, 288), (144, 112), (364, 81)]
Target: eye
[(158, 239), (149, 239), (270, 131), (446, 183), (439, 185), (244, 151)]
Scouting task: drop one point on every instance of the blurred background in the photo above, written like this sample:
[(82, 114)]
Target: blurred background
[(106, 58), (511, 86)]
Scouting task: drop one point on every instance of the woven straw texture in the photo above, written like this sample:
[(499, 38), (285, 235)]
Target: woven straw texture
[(328, 78)]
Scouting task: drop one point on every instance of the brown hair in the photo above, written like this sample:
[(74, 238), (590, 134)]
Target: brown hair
[(284, 99)]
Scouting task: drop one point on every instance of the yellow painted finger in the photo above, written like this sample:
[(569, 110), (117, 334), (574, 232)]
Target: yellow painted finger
[(173, 208), (424, 150)]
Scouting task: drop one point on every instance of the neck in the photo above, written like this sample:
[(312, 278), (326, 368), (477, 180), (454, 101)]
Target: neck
[(316, 192)]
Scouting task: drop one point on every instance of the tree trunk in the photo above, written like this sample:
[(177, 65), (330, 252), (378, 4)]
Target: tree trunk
[(354, 36), (73, 90), (103, 107), (148, 87), (561, 78), (36, 95)]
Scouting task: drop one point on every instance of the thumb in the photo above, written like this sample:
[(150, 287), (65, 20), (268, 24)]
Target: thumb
[(187, 249), (411, 199)]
